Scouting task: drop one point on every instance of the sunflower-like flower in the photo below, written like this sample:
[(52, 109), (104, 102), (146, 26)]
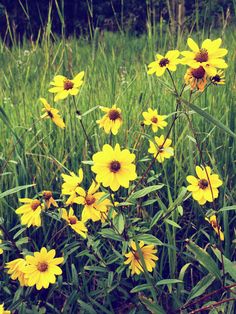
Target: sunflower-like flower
[(2, 310), (52, 113), (218, 79), (71, 183), (77, 225), (205, 187), (151, 117), (214, 223), (64, 86), (30, 212), (161, 149), (16, 270), (93, 207), (48, 198), (196, 78), (42, 268), (169, 61), (209, 56), (112, 120), (114, 167), (133, 258)]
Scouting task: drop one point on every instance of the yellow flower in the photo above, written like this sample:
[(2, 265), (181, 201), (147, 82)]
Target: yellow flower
[(1, 250), (16, 270), (161, 149), (133, 258), (204, 188), (42, 268), (71, 182), (52, 113), (30, 211), (114, 167), (169, 61), (112, 120), (196, 78), (64, 86), (214, 223), (77, 225), (152, 118), (2, 310), (218, 79), (49, 200), (93, 207), (209, 56)]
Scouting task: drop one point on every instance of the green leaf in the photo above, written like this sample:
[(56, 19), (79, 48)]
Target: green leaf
[(172, 223), (110, 234), (75, 278), (151, 306), (96, 268), (156, 218), (15, 190), (87, 307), (168, 282), (141, 288), (201, 286), (226, 208), (144, 192), (119, 223), (148, 239), (230, 267)]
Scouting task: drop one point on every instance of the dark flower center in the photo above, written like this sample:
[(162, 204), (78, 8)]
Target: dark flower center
[(160, 149), (163, 62), (50, 114), (114, 114), (42, 267), (216, 79), (68, 84), (72, 220), (202, 55), (35, 204), (114, 166), (214, 224), (154, 119), (203, 184), (198, 73), (136, 256), (90, 199), (47, 195)]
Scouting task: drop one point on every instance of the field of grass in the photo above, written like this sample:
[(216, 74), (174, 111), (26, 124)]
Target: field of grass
[(35, 151)]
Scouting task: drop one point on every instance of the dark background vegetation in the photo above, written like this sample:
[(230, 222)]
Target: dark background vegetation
[(82, 17)]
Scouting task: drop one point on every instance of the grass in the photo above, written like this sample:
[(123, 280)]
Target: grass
[(35, 151)]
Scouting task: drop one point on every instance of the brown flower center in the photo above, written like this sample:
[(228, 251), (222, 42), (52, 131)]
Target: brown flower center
[(114, 114), (154, 119), (72, 220), (216, 79), (163, 62), (202, 55), (42, 267), (50, 114), (47, 195), (68, 84), (115, 166), (136, 256), (198, 73), (160, 149), (90, 199), (35, 204), (214, 224), (203, 184)]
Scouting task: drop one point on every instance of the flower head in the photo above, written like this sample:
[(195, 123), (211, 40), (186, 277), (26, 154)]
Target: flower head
[(30, 212), (161, 149), (49, 200), (52, 113), (71, 183), (1, 250), (214, 223), (77, 225), (218, 79), (2, 310), (205, 187), (209, 56), (169, 61), (152, 118), (111, 121), (196, 78), (114, 167), (15, 270), (133, 258), (64, 86), (42, 268)]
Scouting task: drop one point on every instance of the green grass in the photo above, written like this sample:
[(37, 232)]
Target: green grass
[(35, 151)]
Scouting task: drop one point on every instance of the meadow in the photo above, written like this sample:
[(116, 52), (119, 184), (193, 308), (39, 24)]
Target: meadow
[(189, 276)]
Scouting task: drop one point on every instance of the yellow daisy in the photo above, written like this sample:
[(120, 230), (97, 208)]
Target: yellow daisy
[(114, 167), (71, 182), (169, 61), (77, 225), (209, 56), (64, 86), (152, 118), (214, 223), (112, 120), (196, 78), (2, 310), (204, 185), (93, 207), (30, 212), (49, 200), (218, 79), (133, 258), (52, 113), (42, 268), (15, 270), (1, 250), (161, 149)]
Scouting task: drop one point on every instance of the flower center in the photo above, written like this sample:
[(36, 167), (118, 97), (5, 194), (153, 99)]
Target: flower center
[(163, 62), (136, 256), (35, 204), (154, 119), (201, 55), (114, 114), (203, 184), (72, 220), (42, 267), (68, 84), (114, 166), (161, 149), (198, 73), (47, 195), (90, 199), (216, 78), (214, 224), (50, 114)]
